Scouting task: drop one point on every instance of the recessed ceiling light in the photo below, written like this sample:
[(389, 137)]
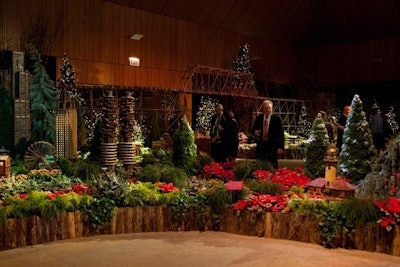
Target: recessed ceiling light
[(137, 36)]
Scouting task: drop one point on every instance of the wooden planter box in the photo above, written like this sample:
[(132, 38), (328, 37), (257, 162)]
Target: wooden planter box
[(35, 230)]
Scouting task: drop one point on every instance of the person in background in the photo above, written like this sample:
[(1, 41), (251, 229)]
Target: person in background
[(217, 134), (340, 125), (268, 130), (376, 125), (232, 137)]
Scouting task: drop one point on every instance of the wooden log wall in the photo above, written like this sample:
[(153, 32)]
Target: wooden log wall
[(36, 230)]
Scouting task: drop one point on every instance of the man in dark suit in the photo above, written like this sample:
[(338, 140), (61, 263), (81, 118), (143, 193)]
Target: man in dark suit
[(218, 140), (268, 130)]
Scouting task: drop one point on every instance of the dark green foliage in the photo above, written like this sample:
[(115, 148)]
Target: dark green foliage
[(358, 211), (157, 156), (18, 167), (269, 188), (163, 173), (245, 169), (382, 182), (358, 154), (316, 148), (184, 147), (202, 160), (43, 99), (218, 197), (85, 170), (6, 132)]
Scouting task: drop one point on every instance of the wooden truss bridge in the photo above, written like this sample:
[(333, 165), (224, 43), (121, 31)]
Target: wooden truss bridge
[(208, 80)]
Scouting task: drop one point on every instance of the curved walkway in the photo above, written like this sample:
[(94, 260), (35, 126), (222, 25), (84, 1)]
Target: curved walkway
[(188, 249)]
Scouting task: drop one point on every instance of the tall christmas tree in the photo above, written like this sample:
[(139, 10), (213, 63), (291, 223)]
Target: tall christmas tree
[(242, 63), (44, 98), (358, 154), (67, 82), (315, 149)]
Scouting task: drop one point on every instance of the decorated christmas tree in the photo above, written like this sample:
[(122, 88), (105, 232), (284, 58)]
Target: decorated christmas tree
[(67, 82), (242, 63), (304, 124), (44, 98), (358, 154), (316, 148), (242, 60), (204, 113)]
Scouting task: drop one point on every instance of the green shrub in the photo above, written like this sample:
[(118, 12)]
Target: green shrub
[(308, 206), (86, 170), (263, 187), (163, 173), (109, 186), (245, 169), (101, 212), (202, 160), (184, 147), (358, 211), (142, 194)]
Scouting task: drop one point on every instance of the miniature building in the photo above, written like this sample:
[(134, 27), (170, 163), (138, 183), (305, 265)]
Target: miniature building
[(316, 186), (342, 189), (5, 164)]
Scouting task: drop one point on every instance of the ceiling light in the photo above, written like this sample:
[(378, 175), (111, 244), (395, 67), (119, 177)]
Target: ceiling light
[(137, 36)]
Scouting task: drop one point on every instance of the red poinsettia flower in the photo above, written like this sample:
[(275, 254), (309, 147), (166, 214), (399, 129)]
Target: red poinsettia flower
[(23, 196), (132, 180), (51, 195), (166, 188), (386, 221)]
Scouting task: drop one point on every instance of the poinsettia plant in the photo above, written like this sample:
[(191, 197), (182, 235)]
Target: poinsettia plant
[(285, 177), (218, 171), (391, 208)]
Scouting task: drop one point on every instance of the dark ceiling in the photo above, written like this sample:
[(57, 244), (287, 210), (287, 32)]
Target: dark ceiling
[(293, 22)]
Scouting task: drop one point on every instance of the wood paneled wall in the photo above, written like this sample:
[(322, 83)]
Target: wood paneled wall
[(95, 36), (97, 42)]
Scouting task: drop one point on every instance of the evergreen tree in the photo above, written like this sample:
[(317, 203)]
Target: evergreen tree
[(304, 124), (67, 82), (43, 99), (316, 148), (242, 60), (204, 114), (184, 147), (358, 154)]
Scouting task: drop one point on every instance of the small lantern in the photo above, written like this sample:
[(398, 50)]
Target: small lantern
[(5, 163), (331, 161)]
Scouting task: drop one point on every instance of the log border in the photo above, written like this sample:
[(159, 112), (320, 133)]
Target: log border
[(35, 230)]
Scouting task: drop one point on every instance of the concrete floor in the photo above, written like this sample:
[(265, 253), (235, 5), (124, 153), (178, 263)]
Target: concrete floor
[(188, 249)]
